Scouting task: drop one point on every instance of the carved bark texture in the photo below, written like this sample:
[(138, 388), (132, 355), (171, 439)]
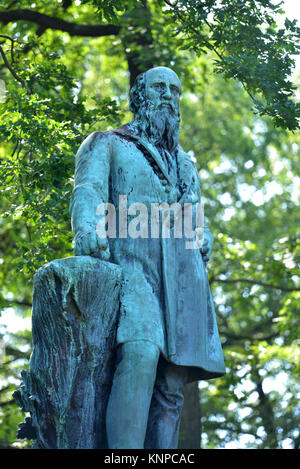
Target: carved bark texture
[(74, 317)]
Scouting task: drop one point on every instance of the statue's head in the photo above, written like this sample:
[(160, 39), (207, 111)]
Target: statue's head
[(154, 100), (160, 86)]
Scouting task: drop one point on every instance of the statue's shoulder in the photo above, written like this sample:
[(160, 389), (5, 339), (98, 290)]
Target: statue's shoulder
[(129, 131), (126, 131), (95, 142), (98, 136), (185, 157)]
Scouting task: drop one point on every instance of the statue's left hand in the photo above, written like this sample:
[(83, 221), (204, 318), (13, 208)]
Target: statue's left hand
[(205, 253), (206, 248)]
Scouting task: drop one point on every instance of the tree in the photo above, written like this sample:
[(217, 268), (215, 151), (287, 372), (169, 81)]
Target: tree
[(67, 69)]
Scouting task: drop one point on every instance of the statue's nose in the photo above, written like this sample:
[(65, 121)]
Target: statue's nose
[(167, 93)]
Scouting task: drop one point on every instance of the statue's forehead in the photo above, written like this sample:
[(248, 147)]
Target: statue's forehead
[(162, 74)]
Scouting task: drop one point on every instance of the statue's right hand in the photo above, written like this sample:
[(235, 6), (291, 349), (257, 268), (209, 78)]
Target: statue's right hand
[(89, 244)]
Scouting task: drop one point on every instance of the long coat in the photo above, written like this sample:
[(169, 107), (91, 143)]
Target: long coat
[(165, 295)]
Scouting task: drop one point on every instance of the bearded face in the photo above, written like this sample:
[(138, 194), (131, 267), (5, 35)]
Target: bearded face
[(156, 107), (160, 125)]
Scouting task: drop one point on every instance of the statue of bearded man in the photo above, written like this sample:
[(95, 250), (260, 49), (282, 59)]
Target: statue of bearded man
[(167, 333)]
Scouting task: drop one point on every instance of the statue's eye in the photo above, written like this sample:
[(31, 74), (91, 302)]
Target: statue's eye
[(174, 89), (159, 86)]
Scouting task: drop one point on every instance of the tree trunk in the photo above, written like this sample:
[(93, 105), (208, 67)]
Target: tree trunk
[(74, 322), (266, 412), (138, 41)]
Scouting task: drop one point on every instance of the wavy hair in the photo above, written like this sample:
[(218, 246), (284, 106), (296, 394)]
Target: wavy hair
[(137, 95)]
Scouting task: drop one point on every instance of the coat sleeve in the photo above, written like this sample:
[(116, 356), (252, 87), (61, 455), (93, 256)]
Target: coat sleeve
[(91, 186)]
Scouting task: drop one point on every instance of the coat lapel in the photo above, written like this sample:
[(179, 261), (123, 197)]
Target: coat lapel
[(185, 165), (157, 158), (131, 131)]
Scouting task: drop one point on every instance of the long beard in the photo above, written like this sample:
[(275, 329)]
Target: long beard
[(160, 126)]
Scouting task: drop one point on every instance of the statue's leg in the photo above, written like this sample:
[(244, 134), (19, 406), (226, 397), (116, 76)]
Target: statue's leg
[(166, 405), (130, 398)]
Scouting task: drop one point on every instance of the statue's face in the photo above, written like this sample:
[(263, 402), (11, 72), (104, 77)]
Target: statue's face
[(163, 88)]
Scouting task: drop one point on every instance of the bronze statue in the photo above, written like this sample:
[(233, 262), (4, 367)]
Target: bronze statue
[(120, 328)]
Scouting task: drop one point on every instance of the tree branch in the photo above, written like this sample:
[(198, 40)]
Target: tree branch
[(7, 447), (6, 388), (18, 354), (252, 337), (10, 68), (56, 23), (12, 40), (252, 282), (8, 303), (208, 44), (11, 401)]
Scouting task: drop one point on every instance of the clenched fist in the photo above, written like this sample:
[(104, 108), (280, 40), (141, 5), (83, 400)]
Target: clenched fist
[(89, 244)]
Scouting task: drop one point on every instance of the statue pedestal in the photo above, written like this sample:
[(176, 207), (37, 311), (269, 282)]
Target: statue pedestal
[(74, 321)]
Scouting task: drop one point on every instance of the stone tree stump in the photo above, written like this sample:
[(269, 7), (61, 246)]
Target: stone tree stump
[(74, 319)]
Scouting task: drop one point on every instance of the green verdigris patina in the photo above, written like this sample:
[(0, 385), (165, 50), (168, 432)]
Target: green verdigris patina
[(127, 183), (74, 320)]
